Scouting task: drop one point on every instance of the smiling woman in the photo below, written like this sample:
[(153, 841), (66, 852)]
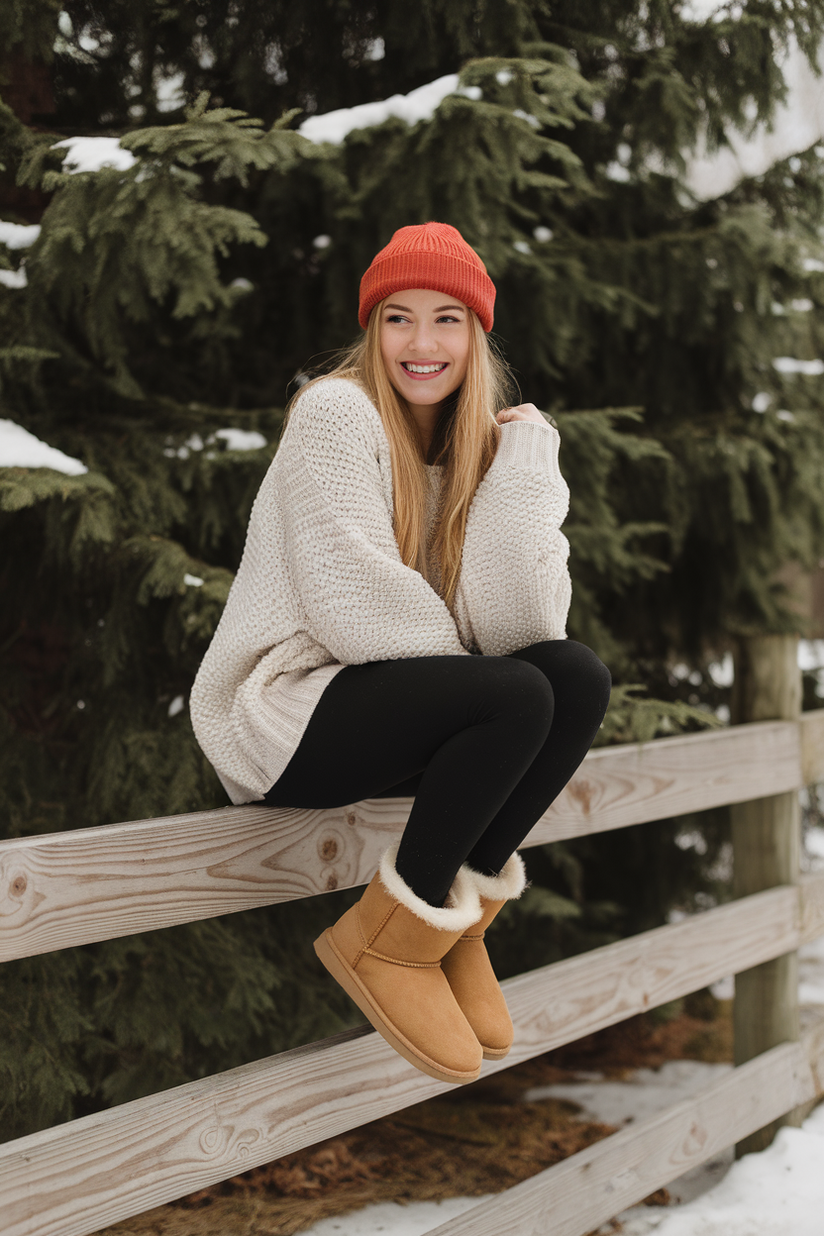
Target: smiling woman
[(397, 627)]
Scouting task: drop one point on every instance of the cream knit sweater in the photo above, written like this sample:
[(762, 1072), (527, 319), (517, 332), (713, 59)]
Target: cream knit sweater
[(321, 584)]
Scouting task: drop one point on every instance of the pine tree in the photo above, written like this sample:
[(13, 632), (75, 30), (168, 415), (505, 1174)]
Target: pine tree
[(170, 303)]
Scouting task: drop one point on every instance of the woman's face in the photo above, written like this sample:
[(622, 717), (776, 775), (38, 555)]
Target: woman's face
[(424, 344)]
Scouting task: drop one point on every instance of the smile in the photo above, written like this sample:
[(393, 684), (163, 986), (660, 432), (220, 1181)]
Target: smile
[(423, 371)]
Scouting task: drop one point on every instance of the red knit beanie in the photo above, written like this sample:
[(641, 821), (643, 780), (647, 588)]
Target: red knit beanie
[(428, 255)]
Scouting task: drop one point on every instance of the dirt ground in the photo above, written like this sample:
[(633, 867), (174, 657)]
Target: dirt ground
[(478, 1139)]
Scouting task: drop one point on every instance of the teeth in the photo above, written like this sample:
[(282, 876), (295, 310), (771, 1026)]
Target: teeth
[(424, 368)]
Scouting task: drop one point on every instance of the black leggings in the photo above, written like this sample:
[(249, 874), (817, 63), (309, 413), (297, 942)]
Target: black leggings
[(483, 743)]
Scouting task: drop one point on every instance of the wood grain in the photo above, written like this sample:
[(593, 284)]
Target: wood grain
[(591, 1187), (64, 889), (812, 746), (76, 1178)]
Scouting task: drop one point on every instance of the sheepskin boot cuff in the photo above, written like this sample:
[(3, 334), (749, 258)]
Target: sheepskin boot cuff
[(507, 885), (463, 904)]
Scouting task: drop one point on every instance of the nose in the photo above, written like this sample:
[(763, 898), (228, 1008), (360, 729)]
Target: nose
[(423, 340)]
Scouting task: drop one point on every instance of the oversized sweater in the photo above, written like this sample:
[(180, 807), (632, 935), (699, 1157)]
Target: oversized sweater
[(322, 585)]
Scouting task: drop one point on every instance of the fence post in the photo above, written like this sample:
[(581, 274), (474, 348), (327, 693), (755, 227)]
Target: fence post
[(766, 836)]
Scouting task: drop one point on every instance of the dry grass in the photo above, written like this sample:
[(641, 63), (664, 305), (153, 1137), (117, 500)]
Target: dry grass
[(474, 1140)]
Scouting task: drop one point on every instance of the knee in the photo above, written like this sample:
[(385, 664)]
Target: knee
[(568, 664), (528, 692), (590, 669)]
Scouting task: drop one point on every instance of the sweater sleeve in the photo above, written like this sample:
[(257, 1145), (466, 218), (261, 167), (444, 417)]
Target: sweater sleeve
[(359, 599), (514, 587)]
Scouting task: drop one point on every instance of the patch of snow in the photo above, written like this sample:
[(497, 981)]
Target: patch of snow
[(645, 1092), (177, 705), (813, 264), (391, 1217), (240, 439), (724, 989), (761, 401), (419, 104), (18, 235), (795, 126), (616, 171), (504, 76), (375, 49), (192, 581), (802, 305), (521, 246), (811, 965), (814, 844), (322, 242), (810, 654), (245, 285), (779, 1192), (21, 449), (14, 278), (169, 92), (64, 25), (722, 672), (532, 121), (789, 364), (90, 154), (542, 234)]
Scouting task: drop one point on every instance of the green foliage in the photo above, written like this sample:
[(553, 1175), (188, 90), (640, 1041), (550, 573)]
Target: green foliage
[(170, 301)]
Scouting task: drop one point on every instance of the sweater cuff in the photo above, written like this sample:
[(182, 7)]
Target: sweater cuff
[(526, 444)]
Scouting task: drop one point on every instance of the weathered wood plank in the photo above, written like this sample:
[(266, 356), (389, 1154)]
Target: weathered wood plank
[(63, 889), (812, 746), (591, 1187), (632, 784), (73, 1179)]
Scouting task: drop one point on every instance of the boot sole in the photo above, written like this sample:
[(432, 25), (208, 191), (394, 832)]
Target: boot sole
[(345, 976), (495, 1053)]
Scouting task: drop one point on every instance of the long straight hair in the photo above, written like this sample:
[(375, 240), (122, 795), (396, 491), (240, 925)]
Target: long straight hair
[(464, 443)]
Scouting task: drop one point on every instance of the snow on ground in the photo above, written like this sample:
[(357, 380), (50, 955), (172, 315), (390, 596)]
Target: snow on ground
[(779, 1192), (89, 154), (412, 1220), (20, 449)]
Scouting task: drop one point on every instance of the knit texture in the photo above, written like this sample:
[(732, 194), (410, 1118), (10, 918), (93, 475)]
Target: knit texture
[(321, 583), (428, 255)]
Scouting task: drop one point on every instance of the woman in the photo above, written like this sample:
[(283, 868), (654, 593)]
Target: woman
[(406, 524)]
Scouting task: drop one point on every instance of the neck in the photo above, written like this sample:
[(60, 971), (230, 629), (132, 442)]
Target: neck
[(426, 417)]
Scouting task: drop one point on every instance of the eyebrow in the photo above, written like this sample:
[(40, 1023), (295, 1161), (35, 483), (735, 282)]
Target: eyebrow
[(403, 308)]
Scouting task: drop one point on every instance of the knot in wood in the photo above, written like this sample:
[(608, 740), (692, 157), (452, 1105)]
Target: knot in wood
[(18, 886), (328, 849), (351, 818), (331, 883)]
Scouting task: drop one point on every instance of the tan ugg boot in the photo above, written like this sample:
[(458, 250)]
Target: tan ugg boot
[(469, 970), (386, 954)]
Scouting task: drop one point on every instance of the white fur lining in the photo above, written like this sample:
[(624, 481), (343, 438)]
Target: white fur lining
[(463, 908), (504, 887)]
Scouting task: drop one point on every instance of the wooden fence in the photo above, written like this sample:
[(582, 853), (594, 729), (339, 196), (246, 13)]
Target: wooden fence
[(100, 883)]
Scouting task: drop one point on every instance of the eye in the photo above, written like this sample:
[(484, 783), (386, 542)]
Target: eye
[(395, 318), (447, 317)]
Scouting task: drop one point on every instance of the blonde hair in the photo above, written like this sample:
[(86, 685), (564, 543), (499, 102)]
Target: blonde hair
[(465, 442)]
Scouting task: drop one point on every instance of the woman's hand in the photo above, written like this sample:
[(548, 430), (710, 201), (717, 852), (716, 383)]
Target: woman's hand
[(523, 412)]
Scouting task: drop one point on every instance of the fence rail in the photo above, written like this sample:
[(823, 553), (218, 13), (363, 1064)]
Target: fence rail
[(99, 883)]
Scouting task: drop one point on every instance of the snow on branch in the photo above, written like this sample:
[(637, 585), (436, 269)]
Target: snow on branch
[(419, 104), (20, 449), (18, 235), (90, 154)]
